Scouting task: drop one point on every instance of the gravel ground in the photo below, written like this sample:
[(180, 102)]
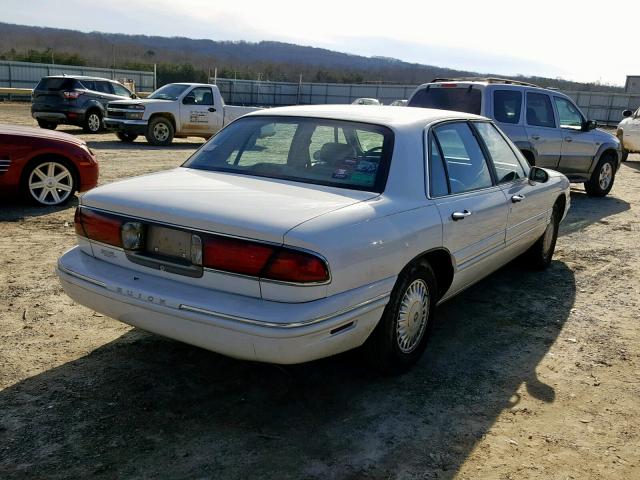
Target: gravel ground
[(528, 374)]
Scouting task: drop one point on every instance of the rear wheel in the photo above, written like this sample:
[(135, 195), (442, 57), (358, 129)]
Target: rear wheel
[(92, 122), (127, 137), (160, 132), (402, 333), (47, 125), (601, 181), (49, 182)]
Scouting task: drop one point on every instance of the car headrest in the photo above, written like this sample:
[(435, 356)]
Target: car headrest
[(333, 153)]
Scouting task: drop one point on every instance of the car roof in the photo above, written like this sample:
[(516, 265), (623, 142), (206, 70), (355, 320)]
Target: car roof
[(381, 115), (81, 77)]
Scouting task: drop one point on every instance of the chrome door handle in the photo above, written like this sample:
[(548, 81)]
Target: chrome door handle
[(455, 216), (517, 198), (568, 139), (535, 137)]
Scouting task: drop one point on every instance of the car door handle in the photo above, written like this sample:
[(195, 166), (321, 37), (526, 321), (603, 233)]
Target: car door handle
[(212, 109), (535, 137), (517, 198), (455, 216), (568, 139)]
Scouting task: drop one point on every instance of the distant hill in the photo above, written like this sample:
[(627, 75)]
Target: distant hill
[(185, 57)]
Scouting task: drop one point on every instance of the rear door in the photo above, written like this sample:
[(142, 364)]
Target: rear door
[(578, 146), (198, 112), (105, 93), (473, 208), (526, 203), (541, 127)]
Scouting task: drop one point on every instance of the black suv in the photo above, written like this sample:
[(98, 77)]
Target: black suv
[(74, 100)]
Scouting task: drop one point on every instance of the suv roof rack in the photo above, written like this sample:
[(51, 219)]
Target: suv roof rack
[(485, 79)]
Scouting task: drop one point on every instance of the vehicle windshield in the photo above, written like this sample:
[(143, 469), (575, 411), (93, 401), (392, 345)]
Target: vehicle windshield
[(458, 99), (309, 150), (169, 92)]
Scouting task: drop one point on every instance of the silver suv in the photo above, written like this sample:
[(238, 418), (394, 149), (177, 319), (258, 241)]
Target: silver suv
[(545, 125)]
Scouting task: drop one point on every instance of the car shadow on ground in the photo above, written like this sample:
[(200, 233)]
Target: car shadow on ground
[(586, 210), (147, 407), (17, 210)]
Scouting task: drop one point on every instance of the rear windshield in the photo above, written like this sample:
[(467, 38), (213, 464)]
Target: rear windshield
[(457, 99), (169, 92), (56, 84), (309, 150)]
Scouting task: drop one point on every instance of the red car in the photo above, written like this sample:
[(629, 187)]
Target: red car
[(45, 167)]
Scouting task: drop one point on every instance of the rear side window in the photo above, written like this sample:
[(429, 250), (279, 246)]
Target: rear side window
[(104, 87), (464, 161), (56, 84), (438, 186), (507, 105), (465, 99), (88, 84), (539, 110), (505, 162)]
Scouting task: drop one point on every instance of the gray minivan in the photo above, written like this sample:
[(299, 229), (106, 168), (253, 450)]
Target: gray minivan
[(546, 125), (75, 100)]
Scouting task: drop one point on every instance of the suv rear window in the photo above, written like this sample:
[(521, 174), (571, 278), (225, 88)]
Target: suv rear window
[(319, 151), (56, 84), (458, 99)]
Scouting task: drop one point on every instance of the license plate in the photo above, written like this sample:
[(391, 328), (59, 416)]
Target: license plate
[(168, 242)]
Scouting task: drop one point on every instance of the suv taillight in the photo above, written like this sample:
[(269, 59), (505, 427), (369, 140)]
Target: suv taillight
[(100, 227), (71, 95)]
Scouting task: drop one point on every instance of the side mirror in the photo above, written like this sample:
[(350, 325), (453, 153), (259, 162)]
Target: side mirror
[(627, 113), (590, 125), (134, 96), (538, 175), (188, 100)]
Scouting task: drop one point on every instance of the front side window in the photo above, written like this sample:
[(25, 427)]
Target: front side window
[(539, 110), (120, 90), (507, 166), (467, 99), (507, 105), (336, 153), (466, 165), (199, 96), (568, 114)]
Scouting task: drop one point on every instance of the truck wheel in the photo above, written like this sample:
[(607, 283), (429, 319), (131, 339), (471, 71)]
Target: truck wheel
[(92, 122), (402, 333), (160, 132), (47, 125), (602, 178), (127, 137)]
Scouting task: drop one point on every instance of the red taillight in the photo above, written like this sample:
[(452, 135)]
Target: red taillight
[(71, 95), (100, 227), (237, 256), (448, 85), (260, 260), (299, 267)]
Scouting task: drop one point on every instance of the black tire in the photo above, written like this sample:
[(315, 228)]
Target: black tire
[(385, 348), (127, 137), (625, 155), (540, 254), (47, 195), (160, 132), (47, 125), (93, 122), (602, 178)]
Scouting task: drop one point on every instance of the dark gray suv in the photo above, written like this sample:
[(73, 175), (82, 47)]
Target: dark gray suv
[(75, 100)]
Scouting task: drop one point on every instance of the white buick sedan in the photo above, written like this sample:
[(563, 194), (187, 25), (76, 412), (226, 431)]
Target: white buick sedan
[(297, 233)]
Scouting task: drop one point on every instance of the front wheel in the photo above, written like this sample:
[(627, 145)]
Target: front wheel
[(540, 253), (601, 181), (160, 132), (126, 137), (50, 183), (402, 333)]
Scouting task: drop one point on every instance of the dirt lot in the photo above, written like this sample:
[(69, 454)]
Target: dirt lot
[(528, 375)]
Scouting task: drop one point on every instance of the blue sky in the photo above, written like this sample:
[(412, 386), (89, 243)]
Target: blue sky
[(567, 39)]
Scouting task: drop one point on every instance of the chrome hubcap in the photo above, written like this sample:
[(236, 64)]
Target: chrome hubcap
[(606, 174), (412, 317), (94, 122), (161, 132), (50, 183)]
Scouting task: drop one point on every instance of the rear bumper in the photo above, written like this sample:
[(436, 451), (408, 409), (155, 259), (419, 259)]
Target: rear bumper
[(134, 127), (233, 325), (67, 115)]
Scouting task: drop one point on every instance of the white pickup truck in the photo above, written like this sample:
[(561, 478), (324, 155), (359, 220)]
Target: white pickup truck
[(176, 110)]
